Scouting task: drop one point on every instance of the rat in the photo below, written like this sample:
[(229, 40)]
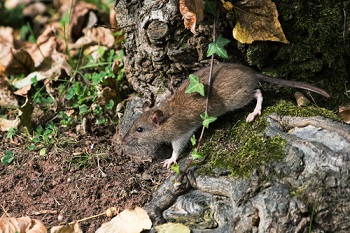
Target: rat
[(232, 87)]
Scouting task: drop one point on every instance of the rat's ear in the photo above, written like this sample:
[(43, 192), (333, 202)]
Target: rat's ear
[(157, 117), (146, 106)]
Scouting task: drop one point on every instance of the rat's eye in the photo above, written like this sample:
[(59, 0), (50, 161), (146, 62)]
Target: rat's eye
[(139, 129)]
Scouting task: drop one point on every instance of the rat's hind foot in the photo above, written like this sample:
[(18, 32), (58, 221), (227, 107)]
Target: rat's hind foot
[(257, 111)]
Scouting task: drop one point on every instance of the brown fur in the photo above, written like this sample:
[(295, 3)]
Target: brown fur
[(233, 87)]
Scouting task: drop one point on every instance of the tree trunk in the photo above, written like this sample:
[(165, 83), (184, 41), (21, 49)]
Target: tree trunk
[(160, 52)]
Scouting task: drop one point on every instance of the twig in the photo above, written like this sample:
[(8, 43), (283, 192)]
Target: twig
[(206, 106)]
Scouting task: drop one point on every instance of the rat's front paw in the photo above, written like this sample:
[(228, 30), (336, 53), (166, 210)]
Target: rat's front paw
[(169, 162)]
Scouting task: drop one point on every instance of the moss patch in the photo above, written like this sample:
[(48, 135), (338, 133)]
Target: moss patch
[(242, 147), (319, 46)]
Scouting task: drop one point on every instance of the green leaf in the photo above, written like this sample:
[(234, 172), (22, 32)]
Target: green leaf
[(42, 152), (217, 47), (193, 140), (210, 7), (71, 92), (32, 147), (207, 119), (195, 85), (110, 105), (221, 41), (176, 168), (196, 155), (7, 158), (83, 109)]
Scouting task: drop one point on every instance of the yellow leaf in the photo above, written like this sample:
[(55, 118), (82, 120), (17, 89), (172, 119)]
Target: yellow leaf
[(257, 21), (227, 5), (172, 228)]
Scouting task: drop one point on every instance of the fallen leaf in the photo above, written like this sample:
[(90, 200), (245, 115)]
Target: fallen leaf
[(6, 43), (172, 228), (34, 9), (192, 12), (74, 228), (257, 21), (344, 112), (10, 4), (95, 36), (21, 62), (6, 96), (6, 125), (227, 5), (52, 70), (80, 17), (45, 45), (128, 221), (21, 225), (302, 101)]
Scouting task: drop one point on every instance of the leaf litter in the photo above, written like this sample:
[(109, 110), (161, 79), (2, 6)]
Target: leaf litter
[(60, 179)]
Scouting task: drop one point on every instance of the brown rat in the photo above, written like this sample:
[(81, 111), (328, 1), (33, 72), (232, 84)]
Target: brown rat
[(175, 120)]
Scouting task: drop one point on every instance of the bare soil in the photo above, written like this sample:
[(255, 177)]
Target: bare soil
[(79, 176)]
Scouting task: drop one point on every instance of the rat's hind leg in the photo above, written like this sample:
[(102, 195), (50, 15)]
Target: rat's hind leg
[(257, 111)]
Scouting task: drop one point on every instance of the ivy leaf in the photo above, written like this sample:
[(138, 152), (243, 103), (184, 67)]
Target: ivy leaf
[(207, 119), (7, 158), (196, 155), (193, 140), (257, 21), (217, 47), (210, 7), (195, 85), (176, 168)]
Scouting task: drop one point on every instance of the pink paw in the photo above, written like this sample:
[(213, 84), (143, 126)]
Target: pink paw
[(252, 115), (169, 162)]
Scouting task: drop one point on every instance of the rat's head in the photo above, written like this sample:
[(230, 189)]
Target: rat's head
[(145, 129)]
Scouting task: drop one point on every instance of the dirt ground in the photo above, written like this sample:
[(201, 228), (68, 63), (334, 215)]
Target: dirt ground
[(79, 176)]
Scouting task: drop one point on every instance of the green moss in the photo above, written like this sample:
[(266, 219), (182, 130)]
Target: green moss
[(243, 147), (319, 47), (286, 108)]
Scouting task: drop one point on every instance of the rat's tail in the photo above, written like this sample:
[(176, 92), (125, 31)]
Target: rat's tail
[(290, 83)]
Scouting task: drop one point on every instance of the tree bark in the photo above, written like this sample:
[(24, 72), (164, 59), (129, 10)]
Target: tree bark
[(160, 52)]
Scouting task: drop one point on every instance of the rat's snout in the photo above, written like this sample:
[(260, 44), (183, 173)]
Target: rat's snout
[(127, 140)]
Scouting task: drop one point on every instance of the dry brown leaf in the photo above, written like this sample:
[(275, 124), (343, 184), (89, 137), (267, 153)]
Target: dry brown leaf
[(192, 12), (21, 225), (10, 4), (50, 70), (344, 112), (128, 221), (46, 44), (112, 17), (6, 43), (34, 9), (79, 18), (6, 125), (6, 96), (95, 36), (75, 228), (62, 6), (302, 101), (21, 62), (257, 21)]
